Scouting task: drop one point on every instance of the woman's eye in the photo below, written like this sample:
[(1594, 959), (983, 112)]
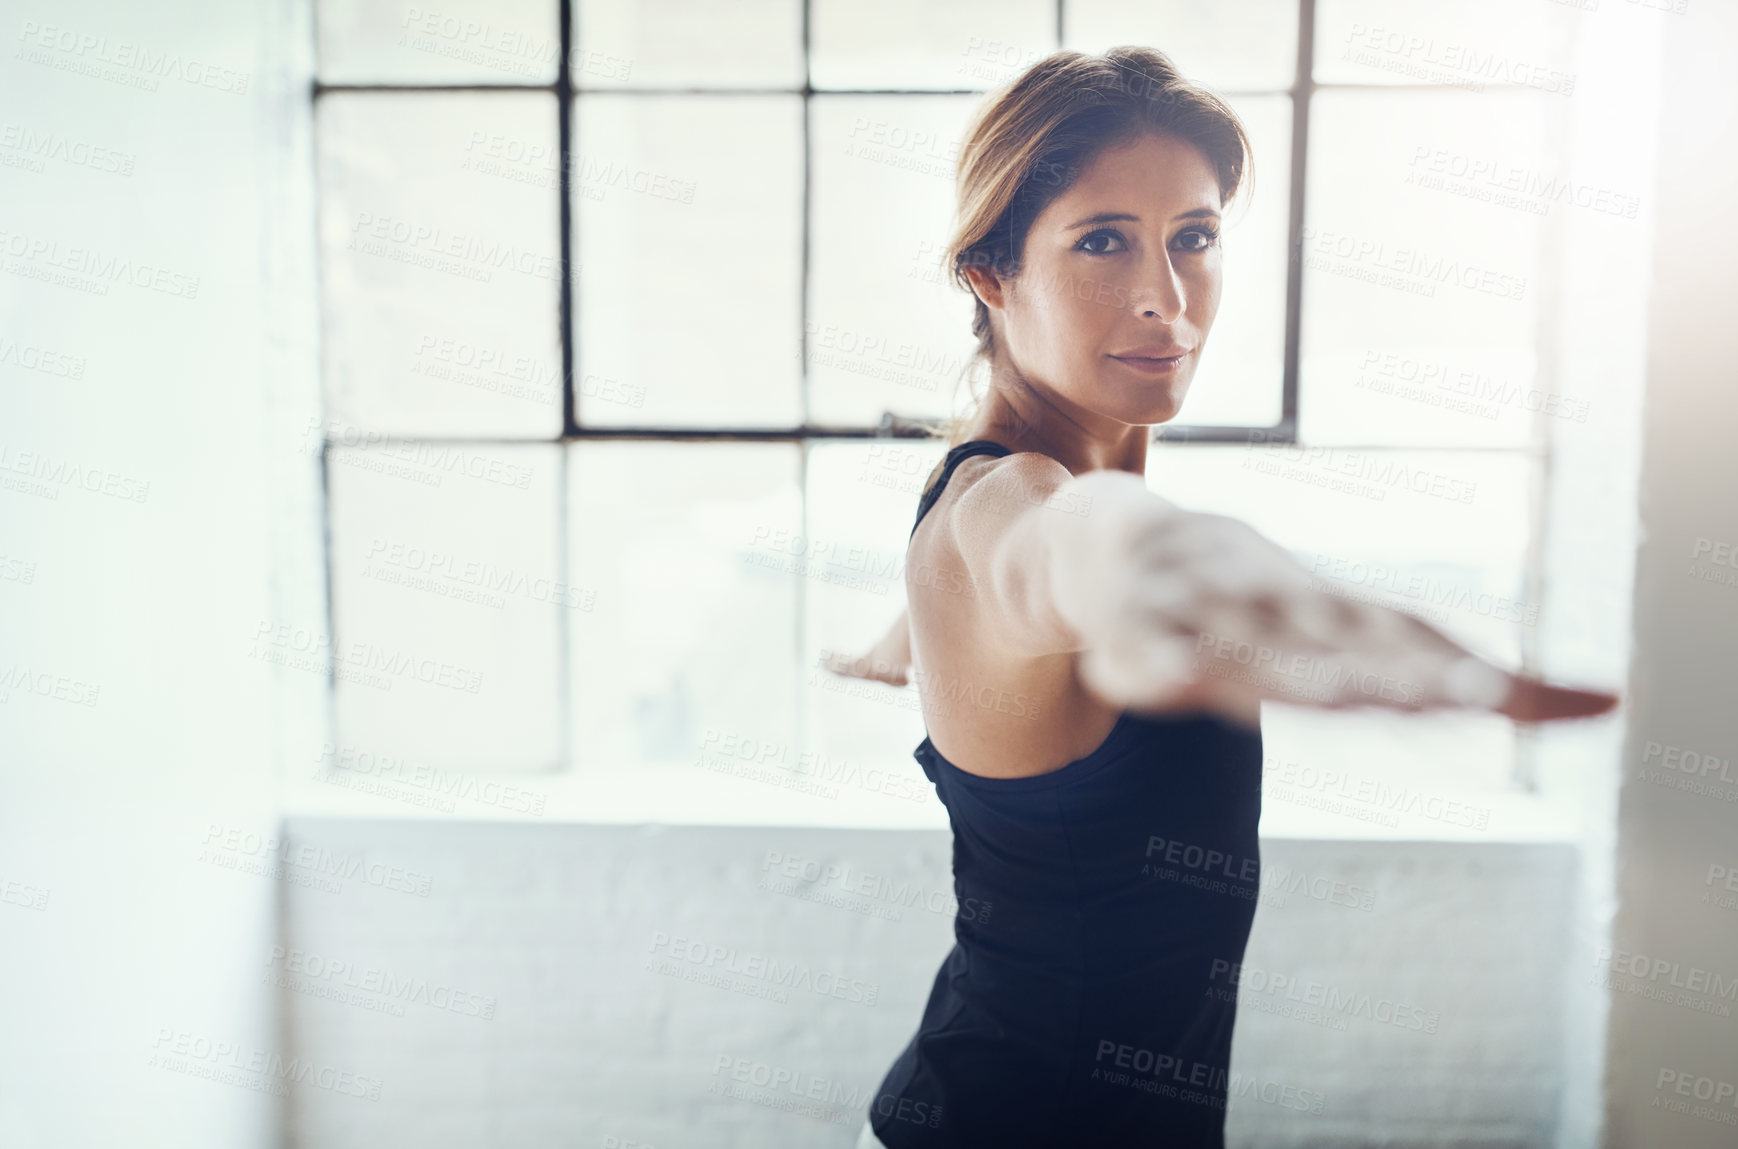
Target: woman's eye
[(1096, 236), (1207, 236)]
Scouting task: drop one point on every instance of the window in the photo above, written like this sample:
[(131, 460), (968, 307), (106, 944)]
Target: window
[(1435, 181), (629, 306)]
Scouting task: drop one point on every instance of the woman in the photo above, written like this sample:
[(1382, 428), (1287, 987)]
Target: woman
[(1092, 704)]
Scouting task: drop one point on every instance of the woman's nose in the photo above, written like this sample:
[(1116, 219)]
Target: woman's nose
[(1160, 292)]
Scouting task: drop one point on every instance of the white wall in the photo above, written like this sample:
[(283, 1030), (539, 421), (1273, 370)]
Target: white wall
[(143, 605), (1590, 529), (1665, 1048), (509, 1001)]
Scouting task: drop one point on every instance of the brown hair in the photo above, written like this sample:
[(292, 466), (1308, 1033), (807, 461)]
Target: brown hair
[(1033, 136)]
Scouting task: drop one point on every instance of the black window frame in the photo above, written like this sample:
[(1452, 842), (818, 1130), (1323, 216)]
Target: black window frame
[(894, 425)]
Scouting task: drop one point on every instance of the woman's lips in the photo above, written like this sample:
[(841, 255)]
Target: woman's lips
[(1151, 366)]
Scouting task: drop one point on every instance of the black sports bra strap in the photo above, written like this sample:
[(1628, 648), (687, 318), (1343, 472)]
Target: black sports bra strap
[(964, 451)]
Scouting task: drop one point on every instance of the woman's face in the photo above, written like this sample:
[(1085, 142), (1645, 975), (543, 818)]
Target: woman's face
[(1121, 268)]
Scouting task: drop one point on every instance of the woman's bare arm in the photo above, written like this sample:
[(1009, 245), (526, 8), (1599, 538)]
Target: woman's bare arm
[(889, 660), (1173, 609)]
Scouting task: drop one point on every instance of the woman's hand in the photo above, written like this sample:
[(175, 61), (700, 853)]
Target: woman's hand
[(889, 660), (1203, 610)]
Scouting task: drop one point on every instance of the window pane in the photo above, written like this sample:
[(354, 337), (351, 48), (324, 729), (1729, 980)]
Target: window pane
[(693, 637), (887, 331), (921, 44), (862, 499), (1420, 296), (687, 44), (458, 41), (1440, 534), (440, 263), (1240, 380), (1228, 44), (446, 601), (689, 253), (1385, 774), (1470, 43)]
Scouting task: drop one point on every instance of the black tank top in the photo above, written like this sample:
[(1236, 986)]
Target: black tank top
[(1089, 996)]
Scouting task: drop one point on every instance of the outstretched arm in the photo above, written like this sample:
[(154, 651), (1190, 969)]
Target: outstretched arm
[(889, 660), (1172, 609)]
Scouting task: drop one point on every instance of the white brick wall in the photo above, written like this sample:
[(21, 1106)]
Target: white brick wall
[(555, 924)]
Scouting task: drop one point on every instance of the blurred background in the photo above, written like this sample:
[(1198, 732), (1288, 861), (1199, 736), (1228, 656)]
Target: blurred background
[(439, 443)]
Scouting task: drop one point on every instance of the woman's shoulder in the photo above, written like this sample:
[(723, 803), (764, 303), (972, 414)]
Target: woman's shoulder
[(992, 487), (977, 459)]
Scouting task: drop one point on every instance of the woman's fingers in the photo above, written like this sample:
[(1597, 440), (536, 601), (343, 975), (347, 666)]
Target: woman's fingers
[(1451, 676), (1531, 700), (866, 666)]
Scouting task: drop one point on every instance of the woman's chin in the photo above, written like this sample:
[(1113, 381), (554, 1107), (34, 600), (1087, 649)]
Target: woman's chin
[(1156, 402), (1144, 405), (1171, 411), (1154, 409)]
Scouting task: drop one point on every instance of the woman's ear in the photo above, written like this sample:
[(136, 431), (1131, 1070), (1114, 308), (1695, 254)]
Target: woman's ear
[(986, 285)]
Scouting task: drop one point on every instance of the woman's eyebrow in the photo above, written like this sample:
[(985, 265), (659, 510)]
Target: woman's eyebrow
[(1114, 216)]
